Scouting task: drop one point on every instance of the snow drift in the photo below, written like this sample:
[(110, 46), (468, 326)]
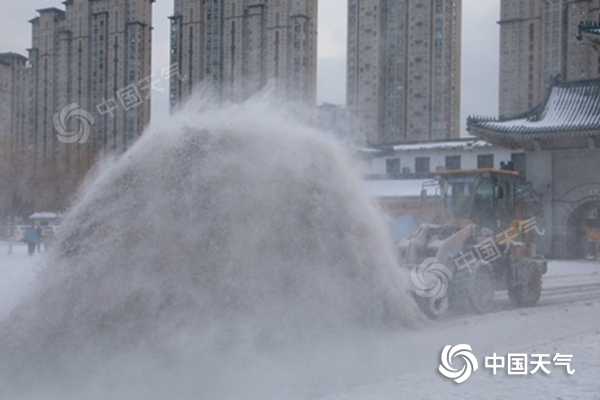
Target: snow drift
[(231, 231)]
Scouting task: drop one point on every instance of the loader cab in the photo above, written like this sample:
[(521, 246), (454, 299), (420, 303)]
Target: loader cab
[(486, 197)]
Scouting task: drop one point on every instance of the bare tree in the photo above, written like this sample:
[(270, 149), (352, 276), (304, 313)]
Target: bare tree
[(15, 180), (28, 185)]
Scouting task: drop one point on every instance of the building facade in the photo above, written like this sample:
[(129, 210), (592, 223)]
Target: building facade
[(538, 44), (422, 160), (13, 101), (403, 69), (97, 54), (237, 47), (396, 176), (333, 119), (561, 141)]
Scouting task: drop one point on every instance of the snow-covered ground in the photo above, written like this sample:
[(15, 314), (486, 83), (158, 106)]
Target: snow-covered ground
[(566, 321), (405, 364), (17, 273)]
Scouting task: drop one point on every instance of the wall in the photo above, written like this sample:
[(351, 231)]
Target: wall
[(438, 158), (539, 172), (572, 190)]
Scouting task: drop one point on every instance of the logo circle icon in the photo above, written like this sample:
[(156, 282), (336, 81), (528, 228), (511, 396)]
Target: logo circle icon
[(431, 278), (460, 350), (84, 118)]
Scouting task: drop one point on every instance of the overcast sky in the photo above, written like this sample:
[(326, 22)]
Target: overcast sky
[(479, 51)]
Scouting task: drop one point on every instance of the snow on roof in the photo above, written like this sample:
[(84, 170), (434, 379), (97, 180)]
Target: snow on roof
[(43, 215), (448, 145), (459, 144), (571, 107), (6, 57), (400, 188), (592, 27)]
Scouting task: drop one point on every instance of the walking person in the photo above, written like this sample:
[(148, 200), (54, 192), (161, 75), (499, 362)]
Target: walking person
[(32, 239), (39, 241)]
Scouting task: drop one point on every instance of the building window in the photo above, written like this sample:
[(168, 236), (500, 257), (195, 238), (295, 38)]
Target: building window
[(392, 166), (452, 162), (422, 165), (485, 161)]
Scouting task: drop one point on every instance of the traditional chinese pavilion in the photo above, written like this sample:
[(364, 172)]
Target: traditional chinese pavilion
[(561, 140)]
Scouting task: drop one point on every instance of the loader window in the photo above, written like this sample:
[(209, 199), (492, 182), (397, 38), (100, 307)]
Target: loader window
[(461, 192), (506, 205), (482, 211), (474, 198)]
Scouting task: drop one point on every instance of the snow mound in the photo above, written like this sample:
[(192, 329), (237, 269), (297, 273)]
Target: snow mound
[(230, 228)]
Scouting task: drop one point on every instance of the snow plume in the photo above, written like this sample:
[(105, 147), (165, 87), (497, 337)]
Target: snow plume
[(192, 264)]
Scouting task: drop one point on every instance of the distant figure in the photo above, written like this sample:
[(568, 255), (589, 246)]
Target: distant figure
[(48, 237), (32, 238), (39, 241)]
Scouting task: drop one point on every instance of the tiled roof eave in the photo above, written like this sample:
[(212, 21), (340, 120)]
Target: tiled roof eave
[(591, 27), (570, 110), (395, 197), (549, 134)]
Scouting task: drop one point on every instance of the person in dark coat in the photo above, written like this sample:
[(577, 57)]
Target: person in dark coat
[(32, 239)]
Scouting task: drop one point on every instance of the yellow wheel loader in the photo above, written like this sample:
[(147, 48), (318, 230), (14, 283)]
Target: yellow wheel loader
[(481, 242)]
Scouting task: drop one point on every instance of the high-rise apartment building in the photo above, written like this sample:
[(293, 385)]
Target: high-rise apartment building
[(13, 101), (403, 69), (95, 53), (538, 43), (239, 46)]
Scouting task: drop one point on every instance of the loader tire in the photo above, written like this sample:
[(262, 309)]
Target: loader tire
[(473, 290), (432, 307), (527, 291)]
